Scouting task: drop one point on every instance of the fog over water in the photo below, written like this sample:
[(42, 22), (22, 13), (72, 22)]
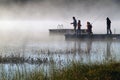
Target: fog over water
[(24, 26), (34, 16)]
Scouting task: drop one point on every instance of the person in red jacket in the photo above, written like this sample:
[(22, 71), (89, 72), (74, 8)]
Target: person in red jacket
[(89, 28), (79, 27)]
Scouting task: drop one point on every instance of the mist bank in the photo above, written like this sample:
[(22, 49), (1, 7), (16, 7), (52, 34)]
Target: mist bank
[(40, 15), (58, 9)]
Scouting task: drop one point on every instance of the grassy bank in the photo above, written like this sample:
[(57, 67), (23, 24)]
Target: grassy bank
[(110, 71), (75, 71)]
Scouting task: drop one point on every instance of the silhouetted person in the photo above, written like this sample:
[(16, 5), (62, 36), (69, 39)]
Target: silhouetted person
[(74, 23), (108, 26), (89, 28), (79, 27)]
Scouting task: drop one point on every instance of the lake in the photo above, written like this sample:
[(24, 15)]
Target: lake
[(41, 52)]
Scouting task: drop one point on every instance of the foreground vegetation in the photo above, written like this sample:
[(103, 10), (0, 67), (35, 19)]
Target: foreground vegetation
[(75, 71)]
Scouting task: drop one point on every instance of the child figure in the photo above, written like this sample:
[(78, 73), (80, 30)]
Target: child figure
[(79, 27)]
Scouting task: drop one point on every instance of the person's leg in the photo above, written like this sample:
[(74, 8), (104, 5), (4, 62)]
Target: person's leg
[(88, 31), (110, 31), (80, 31), (107, 31), (75, 29)]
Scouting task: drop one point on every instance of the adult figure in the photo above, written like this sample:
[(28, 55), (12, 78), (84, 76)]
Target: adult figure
[(74, 23), (108, 26), (89, 28)]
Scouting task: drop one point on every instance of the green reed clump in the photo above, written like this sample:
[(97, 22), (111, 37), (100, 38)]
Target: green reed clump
[(36, 75), (74, 71), (77, 71)]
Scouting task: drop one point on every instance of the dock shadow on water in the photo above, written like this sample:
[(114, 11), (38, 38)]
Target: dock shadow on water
[(55, 52)]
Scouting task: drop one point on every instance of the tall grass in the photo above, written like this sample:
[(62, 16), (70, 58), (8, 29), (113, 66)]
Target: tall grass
[(75, 71)]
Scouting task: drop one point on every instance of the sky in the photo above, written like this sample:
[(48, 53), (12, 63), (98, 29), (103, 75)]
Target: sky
[(45, 14)]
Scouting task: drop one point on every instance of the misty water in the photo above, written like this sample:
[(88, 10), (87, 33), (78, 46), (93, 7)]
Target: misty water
[(54, 48), (24, 35), (30, 42)]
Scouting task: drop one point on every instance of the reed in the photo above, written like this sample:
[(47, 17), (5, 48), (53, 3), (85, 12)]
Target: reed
[(77, 71), (21, 60), (74, 71)]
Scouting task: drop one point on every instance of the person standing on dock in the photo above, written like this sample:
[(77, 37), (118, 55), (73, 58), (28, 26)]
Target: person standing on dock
[(89, 28), (108, 26), (74, 23), (79, 27)]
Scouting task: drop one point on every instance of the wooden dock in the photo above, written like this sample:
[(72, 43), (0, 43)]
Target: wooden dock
[(92, 36), (64, 31)]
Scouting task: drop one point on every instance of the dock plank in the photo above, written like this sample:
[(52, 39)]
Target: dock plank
[(93, 36), (63, 31)]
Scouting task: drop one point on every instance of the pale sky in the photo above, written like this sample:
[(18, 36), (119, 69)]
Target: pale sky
[(45, 14)]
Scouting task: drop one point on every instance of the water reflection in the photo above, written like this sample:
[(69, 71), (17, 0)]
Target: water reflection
[(89, 46), (61, 52), (95, 50), (108, 50)]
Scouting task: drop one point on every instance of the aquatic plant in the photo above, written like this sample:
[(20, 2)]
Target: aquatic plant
[(74, 71)]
